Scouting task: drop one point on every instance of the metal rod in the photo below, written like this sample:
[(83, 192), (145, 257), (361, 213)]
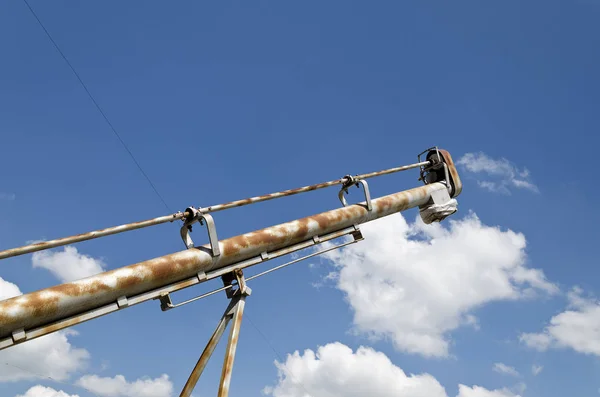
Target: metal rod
[(262, 274), (27, 249), (391, 170), (234, 335), (208, 351), (21, 315), (301, 259), (291, 192)]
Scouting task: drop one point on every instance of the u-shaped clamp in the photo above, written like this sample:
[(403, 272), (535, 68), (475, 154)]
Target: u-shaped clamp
[(197, 216), (351, 181)]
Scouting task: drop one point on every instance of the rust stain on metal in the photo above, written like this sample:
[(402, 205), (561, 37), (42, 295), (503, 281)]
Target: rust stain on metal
[(231, 349), (60, 302), (265, 197), (453, 172), (88, 236)]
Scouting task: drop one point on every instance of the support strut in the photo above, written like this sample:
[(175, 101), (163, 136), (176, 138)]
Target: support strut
[(235, 312)]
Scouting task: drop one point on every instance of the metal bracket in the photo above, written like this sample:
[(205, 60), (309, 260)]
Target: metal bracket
[(235, 278), (197, 216), (352, 181), (436, 163)]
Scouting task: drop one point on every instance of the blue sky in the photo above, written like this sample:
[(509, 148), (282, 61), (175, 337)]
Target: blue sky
[(220, 101)]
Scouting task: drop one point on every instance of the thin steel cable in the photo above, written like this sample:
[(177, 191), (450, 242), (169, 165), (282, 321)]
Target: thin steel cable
[(97, 105)]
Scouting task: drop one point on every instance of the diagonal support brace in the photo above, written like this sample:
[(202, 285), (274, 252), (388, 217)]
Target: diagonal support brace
[(235, 312)]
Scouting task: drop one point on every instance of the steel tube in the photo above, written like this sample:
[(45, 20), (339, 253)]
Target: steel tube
[(60, 302), (27, 249), (207, 353), (234, 335), (392, 170), (291, 192)]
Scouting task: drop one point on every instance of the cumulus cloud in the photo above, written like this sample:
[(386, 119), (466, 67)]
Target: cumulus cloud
[(413, 283), (41, 391), (536, 369), (68, 264), (8, 289), (120, 387), (478, 391), (501, 175), (578, 327), (335, 370), (50, 356), (502, 368)]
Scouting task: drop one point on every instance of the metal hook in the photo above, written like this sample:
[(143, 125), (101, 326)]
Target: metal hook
[(197, 216), (352, 181)]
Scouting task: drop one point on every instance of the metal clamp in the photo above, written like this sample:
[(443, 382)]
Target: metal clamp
[(197, 216), (235, 278), (352, 181), (428, 173)]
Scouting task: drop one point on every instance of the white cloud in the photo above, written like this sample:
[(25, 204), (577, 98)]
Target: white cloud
[(7, 196), (578, 327), (536, 369), (335, 371), (48, 356), (414, 283), (478, 391), (41, 391), (8, 289), (68, 265), (502, 173), (502, 368), (120, 387)]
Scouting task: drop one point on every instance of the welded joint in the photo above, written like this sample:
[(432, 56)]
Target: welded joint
[(122, 302), (165, 302), (243, 289), (350, 181), (357, 234), (235, 278), (19, 335), (198, 216)]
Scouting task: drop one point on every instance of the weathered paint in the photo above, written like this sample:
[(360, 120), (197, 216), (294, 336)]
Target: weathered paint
[(456, 182), (234, 336), (206, 354), (60, 302), (27, 249)]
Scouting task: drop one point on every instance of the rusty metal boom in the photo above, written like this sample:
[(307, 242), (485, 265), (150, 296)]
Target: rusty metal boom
[(43, 245), (29, 316)]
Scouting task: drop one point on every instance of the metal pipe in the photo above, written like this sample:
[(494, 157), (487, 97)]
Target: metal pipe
[(27, 249), (291, 192), (20, 314), (208, 351), (234, 335)]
